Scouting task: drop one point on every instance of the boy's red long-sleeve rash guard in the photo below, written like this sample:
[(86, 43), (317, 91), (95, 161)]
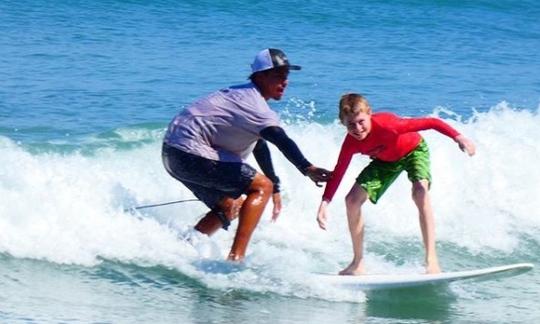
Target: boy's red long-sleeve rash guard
[(391, 138)]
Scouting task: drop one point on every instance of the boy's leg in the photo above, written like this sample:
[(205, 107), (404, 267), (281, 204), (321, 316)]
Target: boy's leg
[(417, 164), (420, 195), (354, 201), (371, 184)]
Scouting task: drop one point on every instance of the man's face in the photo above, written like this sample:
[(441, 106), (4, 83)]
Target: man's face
[(272, 83)]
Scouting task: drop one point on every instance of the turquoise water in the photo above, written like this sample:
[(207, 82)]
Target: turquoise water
[(86, 90)]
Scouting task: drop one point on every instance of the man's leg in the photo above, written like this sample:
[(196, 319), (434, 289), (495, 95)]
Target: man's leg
[(210, 181), (211, 222), (258, 194)]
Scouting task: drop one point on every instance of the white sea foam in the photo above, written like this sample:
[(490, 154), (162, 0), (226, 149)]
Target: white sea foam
[(69, 208)]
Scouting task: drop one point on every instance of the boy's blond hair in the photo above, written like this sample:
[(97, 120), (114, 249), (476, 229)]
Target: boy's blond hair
[(352, 104)]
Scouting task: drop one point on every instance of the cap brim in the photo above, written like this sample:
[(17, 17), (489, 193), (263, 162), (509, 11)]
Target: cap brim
[(289, 66)]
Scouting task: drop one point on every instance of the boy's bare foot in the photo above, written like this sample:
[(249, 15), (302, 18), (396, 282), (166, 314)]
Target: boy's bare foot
[(433, 268), (353, 269)]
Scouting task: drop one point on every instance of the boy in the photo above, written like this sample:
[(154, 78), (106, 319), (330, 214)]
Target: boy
[(394, 145)]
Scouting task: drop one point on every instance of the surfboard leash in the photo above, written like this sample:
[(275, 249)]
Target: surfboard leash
[(159, 204)]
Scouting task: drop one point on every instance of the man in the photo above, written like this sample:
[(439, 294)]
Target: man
[(206, 146)]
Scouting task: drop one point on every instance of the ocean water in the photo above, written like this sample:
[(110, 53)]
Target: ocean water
[(87, 89)]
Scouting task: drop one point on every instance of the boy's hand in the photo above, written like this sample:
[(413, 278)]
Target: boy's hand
[(321, 215), (466, 145)]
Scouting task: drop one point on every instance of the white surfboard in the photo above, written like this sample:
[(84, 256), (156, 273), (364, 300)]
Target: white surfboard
[(392, 281)]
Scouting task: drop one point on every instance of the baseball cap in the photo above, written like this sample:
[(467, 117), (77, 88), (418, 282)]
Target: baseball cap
[(271, 58)]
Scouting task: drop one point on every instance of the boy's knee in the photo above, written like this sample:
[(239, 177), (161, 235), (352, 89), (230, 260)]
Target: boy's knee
[(419, 190), (355, 199)]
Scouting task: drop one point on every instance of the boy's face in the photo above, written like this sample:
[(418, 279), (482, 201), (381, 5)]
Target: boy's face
[(359, 125)]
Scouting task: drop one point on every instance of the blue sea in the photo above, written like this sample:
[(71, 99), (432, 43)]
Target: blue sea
[(87, 89)]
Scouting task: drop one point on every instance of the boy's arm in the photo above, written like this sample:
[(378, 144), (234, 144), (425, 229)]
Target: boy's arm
[(343, 161), (405, 125)]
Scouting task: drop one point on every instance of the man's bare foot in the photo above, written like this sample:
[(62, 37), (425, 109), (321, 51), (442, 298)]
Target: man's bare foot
[(235, 258), (353, 269)]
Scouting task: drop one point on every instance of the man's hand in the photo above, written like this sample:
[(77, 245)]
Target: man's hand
[(318, 175), (276, 199)]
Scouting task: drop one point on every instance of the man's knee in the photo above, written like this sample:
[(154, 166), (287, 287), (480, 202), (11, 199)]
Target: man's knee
[(262, 185)]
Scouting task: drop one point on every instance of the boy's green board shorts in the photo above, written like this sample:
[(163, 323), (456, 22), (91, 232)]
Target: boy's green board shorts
[(379, 175)]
